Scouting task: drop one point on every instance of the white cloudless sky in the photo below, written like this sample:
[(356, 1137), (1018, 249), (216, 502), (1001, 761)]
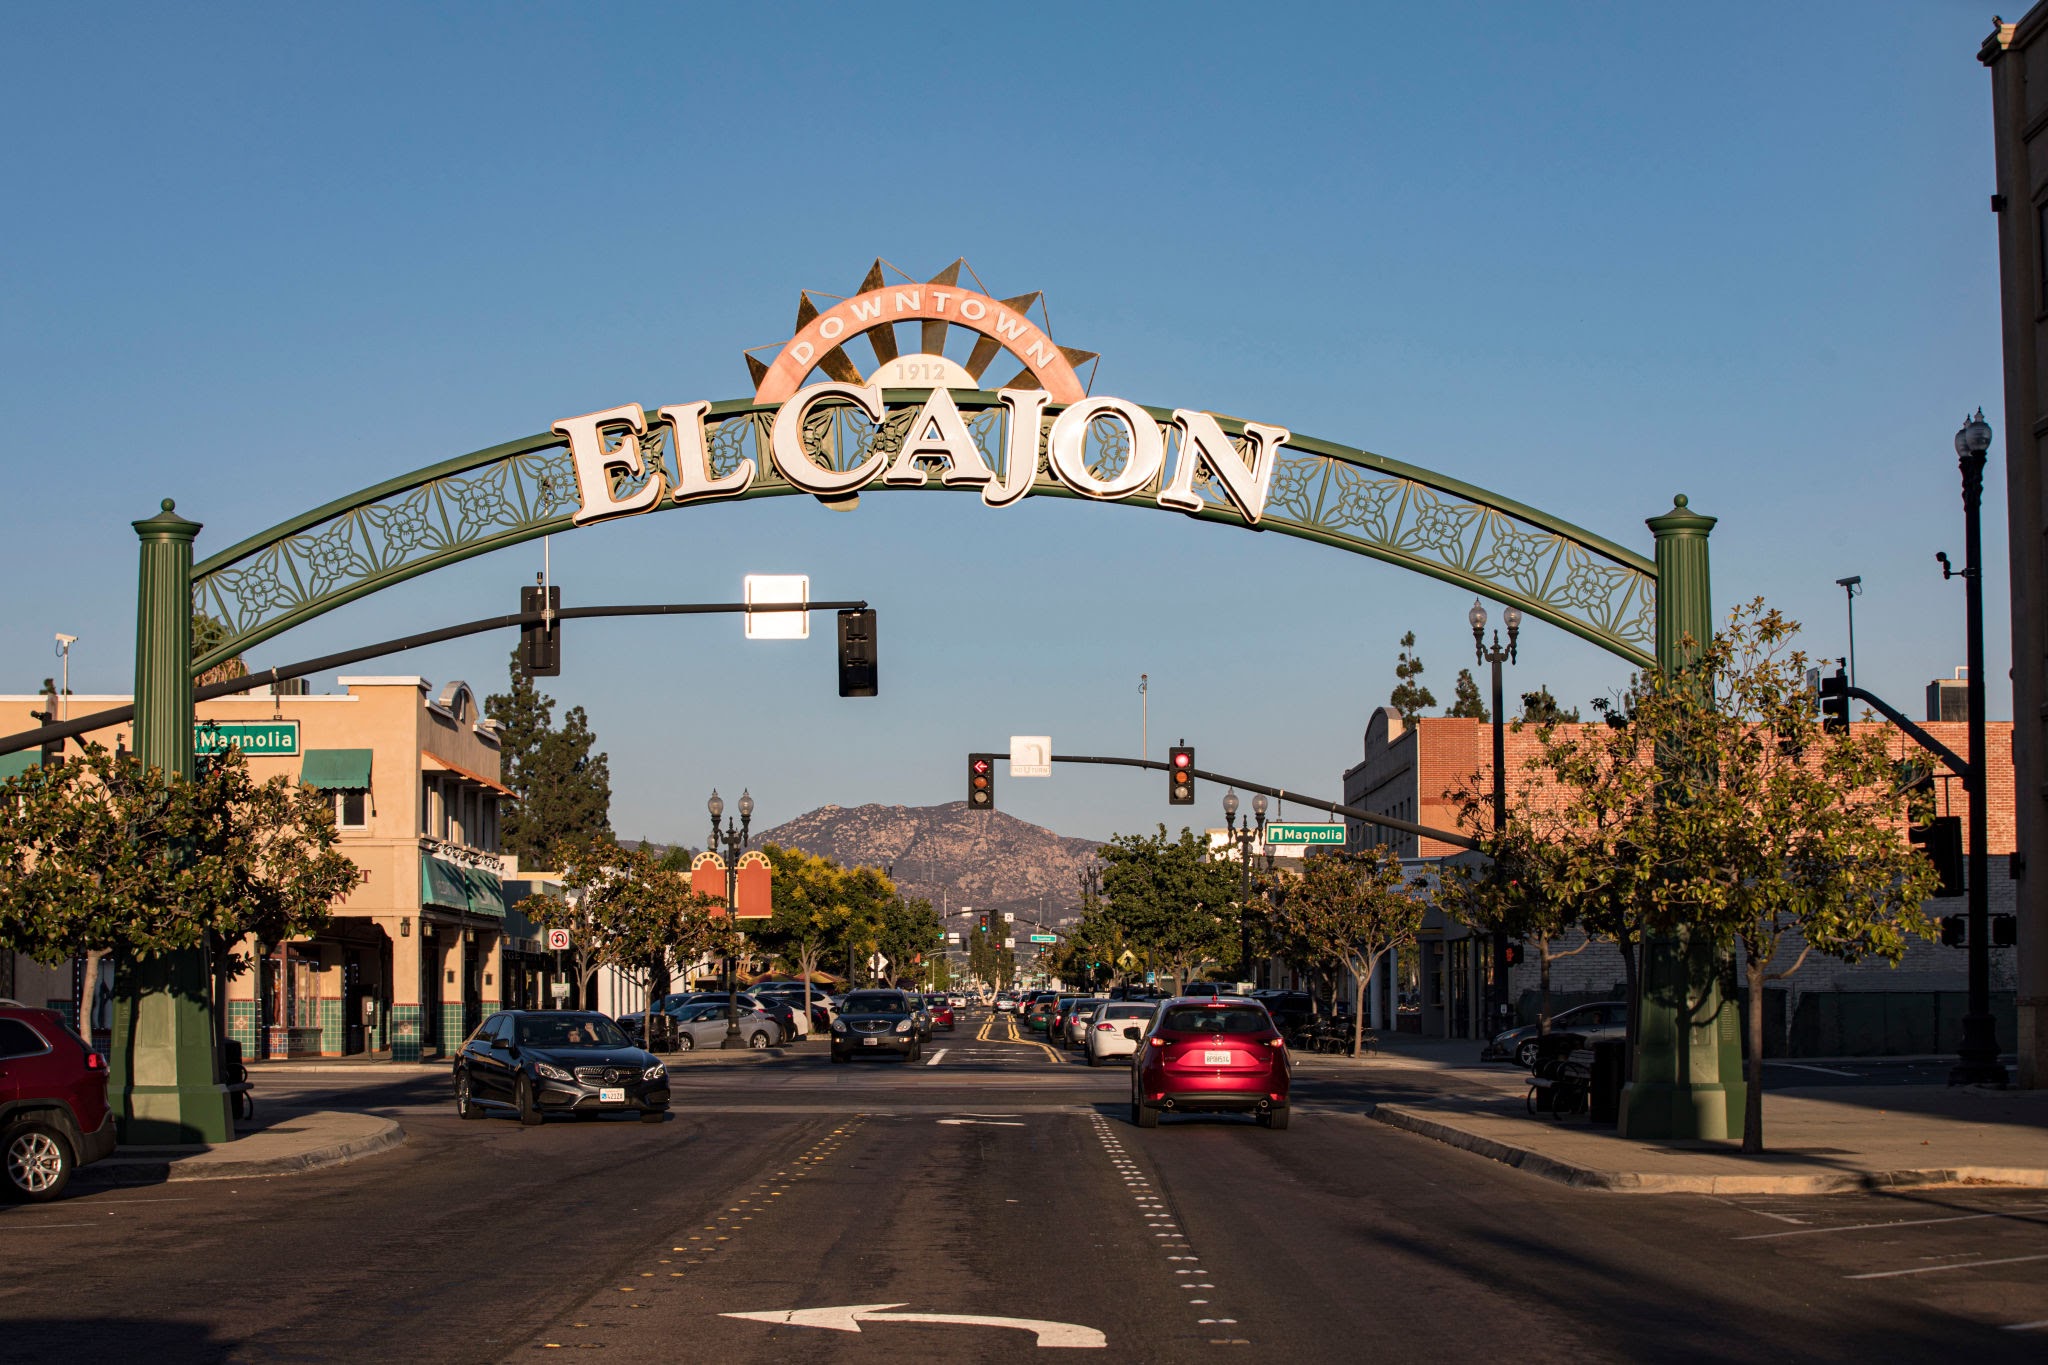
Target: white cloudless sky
[(1586, 255)]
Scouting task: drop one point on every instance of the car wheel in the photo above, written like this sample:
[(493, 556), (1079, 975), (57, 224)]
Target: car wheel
[(1276, 1119), (465, 1104), (522, 1099), (758, 1040), (1094, 1060), (1143, 1115), (36, 1161), (1525, 1053), (686, 1042)]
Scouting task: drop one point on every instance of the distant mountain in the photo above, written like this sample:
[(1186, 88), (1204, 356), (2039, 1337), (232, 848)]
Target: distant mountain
[(951, 855)]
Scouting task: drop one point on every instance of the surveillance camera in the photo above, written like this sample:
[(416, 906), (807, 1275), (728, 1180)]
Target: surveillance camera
[(64, 639)]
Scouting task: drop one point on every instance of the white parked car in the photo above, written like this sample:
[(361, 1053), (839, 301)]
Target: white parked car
[(1107, 1032)]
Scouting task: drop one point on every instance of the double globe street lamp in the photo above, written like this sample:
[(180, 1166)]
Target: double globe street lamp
[(735, 841), (1496, 656), (1245, 839)]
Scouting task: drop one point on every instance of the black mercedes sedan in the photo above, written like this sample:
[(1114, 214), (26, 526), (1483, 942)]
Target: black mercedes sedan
[(878, 1023), (533, 1063)]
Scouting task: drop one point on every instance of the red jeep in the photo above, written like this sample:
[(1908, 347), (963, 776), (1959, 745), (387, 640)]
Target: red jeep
[(53, 1103)]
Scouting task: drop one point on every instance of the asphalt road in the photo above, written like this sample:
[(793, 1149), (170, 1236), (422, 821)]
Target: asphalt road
[(999, 1181)]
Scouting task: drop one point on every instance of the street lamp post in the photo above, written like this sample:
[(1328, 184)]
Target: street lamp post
[(1244, 840), (735, 841), (1496, 656), (1977, 1058)]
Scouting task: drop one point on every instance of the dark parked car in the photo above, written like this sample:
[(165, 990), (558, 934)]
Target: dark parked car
[(877, 1022), (539, 1062), (53, 1103), (1592, 1023)]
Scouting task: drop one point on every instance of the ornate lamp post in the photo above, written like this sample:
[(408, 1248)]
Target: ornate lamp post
[(1977, 1058), (1496, 656), (1244, 839), (735, 841)]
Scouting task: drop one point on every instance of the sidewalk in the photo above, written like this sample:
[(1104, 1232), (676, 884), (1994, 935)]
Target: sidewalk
[(1821, 1140), (281, 1144)]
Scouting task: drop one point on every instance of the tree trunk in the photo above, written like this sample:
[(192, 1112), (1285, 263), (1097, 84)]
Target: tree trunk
[(1753, 1102), (1358, 980)]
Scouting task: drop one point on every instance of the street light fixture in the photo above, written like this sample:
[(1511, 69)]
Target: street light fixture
[(1251, 834), (1496, 656), (735, 840), (1977, 1059)]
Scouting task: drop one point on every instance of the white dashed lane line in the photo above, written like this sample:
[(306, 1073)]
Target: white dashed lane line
[(1189, 1277)]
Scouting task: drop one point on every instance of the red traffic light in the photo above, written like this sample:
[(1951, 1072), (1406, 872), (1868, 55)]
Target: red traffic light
[(980, 765), (1182, 758)]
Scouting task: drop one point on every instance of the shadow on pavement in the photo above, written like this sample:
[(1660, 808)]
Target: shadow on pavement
[(66, 1340)]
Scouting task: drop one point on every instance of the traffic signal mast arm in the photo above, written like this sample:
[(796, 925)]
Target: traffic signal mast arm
[(1350, 812), (1921, 737), (98, 720)]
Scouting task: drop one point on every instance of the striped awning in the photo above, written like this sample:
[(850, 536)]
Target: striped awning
[(336, 770)]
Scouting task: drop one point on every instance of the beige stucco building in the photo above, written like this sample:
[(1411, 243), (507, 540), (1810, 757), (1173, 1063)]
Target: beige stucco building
[(423, 949)]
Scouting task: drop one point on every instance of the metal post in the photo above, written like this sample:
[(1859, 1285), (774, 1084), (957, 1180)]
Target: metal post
[(1496, 1006), (1687, 1079), (1977, 1058), (164, 1077)]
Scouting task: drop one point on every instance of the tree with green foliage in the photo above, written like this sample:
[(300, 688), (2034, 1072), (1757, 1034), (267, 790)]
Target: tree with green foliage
[(1768, 826), (1465, 699), (989, 960), (1540, 708), (1168, 896), (813, 911), (625, 911), (1352, 909), (561, 789), (1409, 696)]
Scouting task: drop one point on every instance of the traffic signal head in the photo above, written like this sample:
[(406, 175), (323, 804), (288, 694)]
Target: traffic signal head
[(981, 781), (540, 643), (1955, 931), (857, 653), (1512, 955), (1834, 703), (1180, 785), (1942, 838)]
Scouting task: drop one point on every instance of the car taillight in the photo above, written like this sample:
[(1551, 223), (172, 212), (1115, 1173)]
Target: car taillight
[(94, 1062), (1276, 1042), (1157, 1042), (1105, 1028)]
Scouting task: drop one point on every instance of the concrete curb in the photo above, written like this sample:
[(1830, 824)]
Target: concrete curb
[(143, 1170), (1672, 1182)]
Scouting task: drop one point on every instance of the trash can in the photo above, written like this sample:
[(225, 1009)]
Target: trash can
[(1610, 1065)]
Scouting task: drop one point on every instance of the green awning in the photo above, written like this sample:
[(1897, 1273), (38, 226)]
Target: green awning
[(486, 892), (336, 770), (19, 762), (441, 884)]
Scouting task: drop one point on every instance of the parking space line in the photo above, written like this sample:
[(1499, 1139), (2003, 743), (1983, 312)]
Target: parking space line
[(1866, 1227), (1952, 1265)]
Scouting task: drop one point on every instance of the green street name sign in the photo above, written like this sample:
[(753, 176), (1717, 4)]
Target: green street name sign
[(257, 739), (1304, 834), (1045, 938)]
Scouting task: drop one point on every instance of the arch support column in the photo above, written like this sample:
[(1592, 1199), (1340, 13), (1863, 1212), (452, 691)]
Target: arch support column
[(163, 1078), (1688, 1041)]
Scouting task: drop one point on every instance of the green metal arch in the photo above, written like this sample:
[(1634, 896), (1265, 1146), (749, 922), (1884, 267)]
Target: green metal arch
[(1332, 494)]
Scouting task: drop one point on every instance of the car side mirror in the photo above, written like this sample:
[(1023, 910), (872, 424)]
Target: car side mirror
[(501, 1044), (1132, 1034)]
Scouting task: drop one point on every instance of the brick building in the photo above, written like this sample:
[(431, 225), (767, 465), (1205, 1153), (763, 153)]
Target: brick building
[(1826, 1008)]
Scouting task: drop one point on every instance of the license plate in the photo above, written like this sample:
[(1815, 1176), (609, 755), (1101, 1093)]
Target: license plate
[(607, 1096), (871, 1042), (1213, 1058)]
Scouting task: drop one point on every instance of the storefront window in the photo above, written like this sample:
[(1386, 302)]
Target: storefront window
[(351, 809)]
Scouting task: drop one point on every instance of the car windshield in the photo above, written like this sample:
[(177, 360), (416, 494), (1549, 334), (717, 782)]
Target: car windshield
[(876, 1002), (1216, 1019), (571, 1030)]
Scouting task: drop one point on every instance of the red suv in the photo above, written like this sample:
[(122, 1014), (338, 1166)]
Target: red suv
[(53, 1103), (1210, 1054)]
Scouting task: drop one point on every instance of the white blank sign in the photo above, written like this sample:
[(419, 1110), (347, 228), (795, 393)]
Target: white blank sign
[(778, 587)]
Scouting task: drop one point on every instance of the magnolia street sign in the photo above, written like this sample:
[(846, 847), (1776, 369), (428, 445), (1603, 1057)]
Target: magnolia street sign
[(1045, 938), (1304, 834), (256, 739)]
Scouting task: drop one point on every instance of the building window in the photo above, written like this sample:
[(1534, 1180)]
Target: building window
[(351, 809)]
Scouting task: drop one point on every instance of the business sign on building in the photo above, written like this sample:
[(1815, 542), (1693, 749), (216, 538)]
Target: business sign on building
[(256, 739)]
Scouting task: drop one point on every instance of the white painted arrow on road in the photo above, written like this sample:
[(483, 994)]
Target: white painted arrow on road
[(849, 1317)]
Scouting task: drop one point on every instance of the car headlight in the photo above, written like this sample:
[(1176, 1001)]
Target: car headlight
[(654, 1073), (839, 1026), (904, 1027), (553, 1073)]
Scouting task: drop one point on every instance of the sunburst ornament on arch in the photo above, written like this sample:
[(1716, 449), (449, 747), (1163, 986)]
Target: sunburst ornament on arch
[(961, 333)]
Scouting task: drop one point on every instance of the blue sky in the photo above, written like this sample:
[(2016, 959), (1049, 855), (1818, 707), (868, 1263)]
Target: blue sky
[(1587, 255)]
